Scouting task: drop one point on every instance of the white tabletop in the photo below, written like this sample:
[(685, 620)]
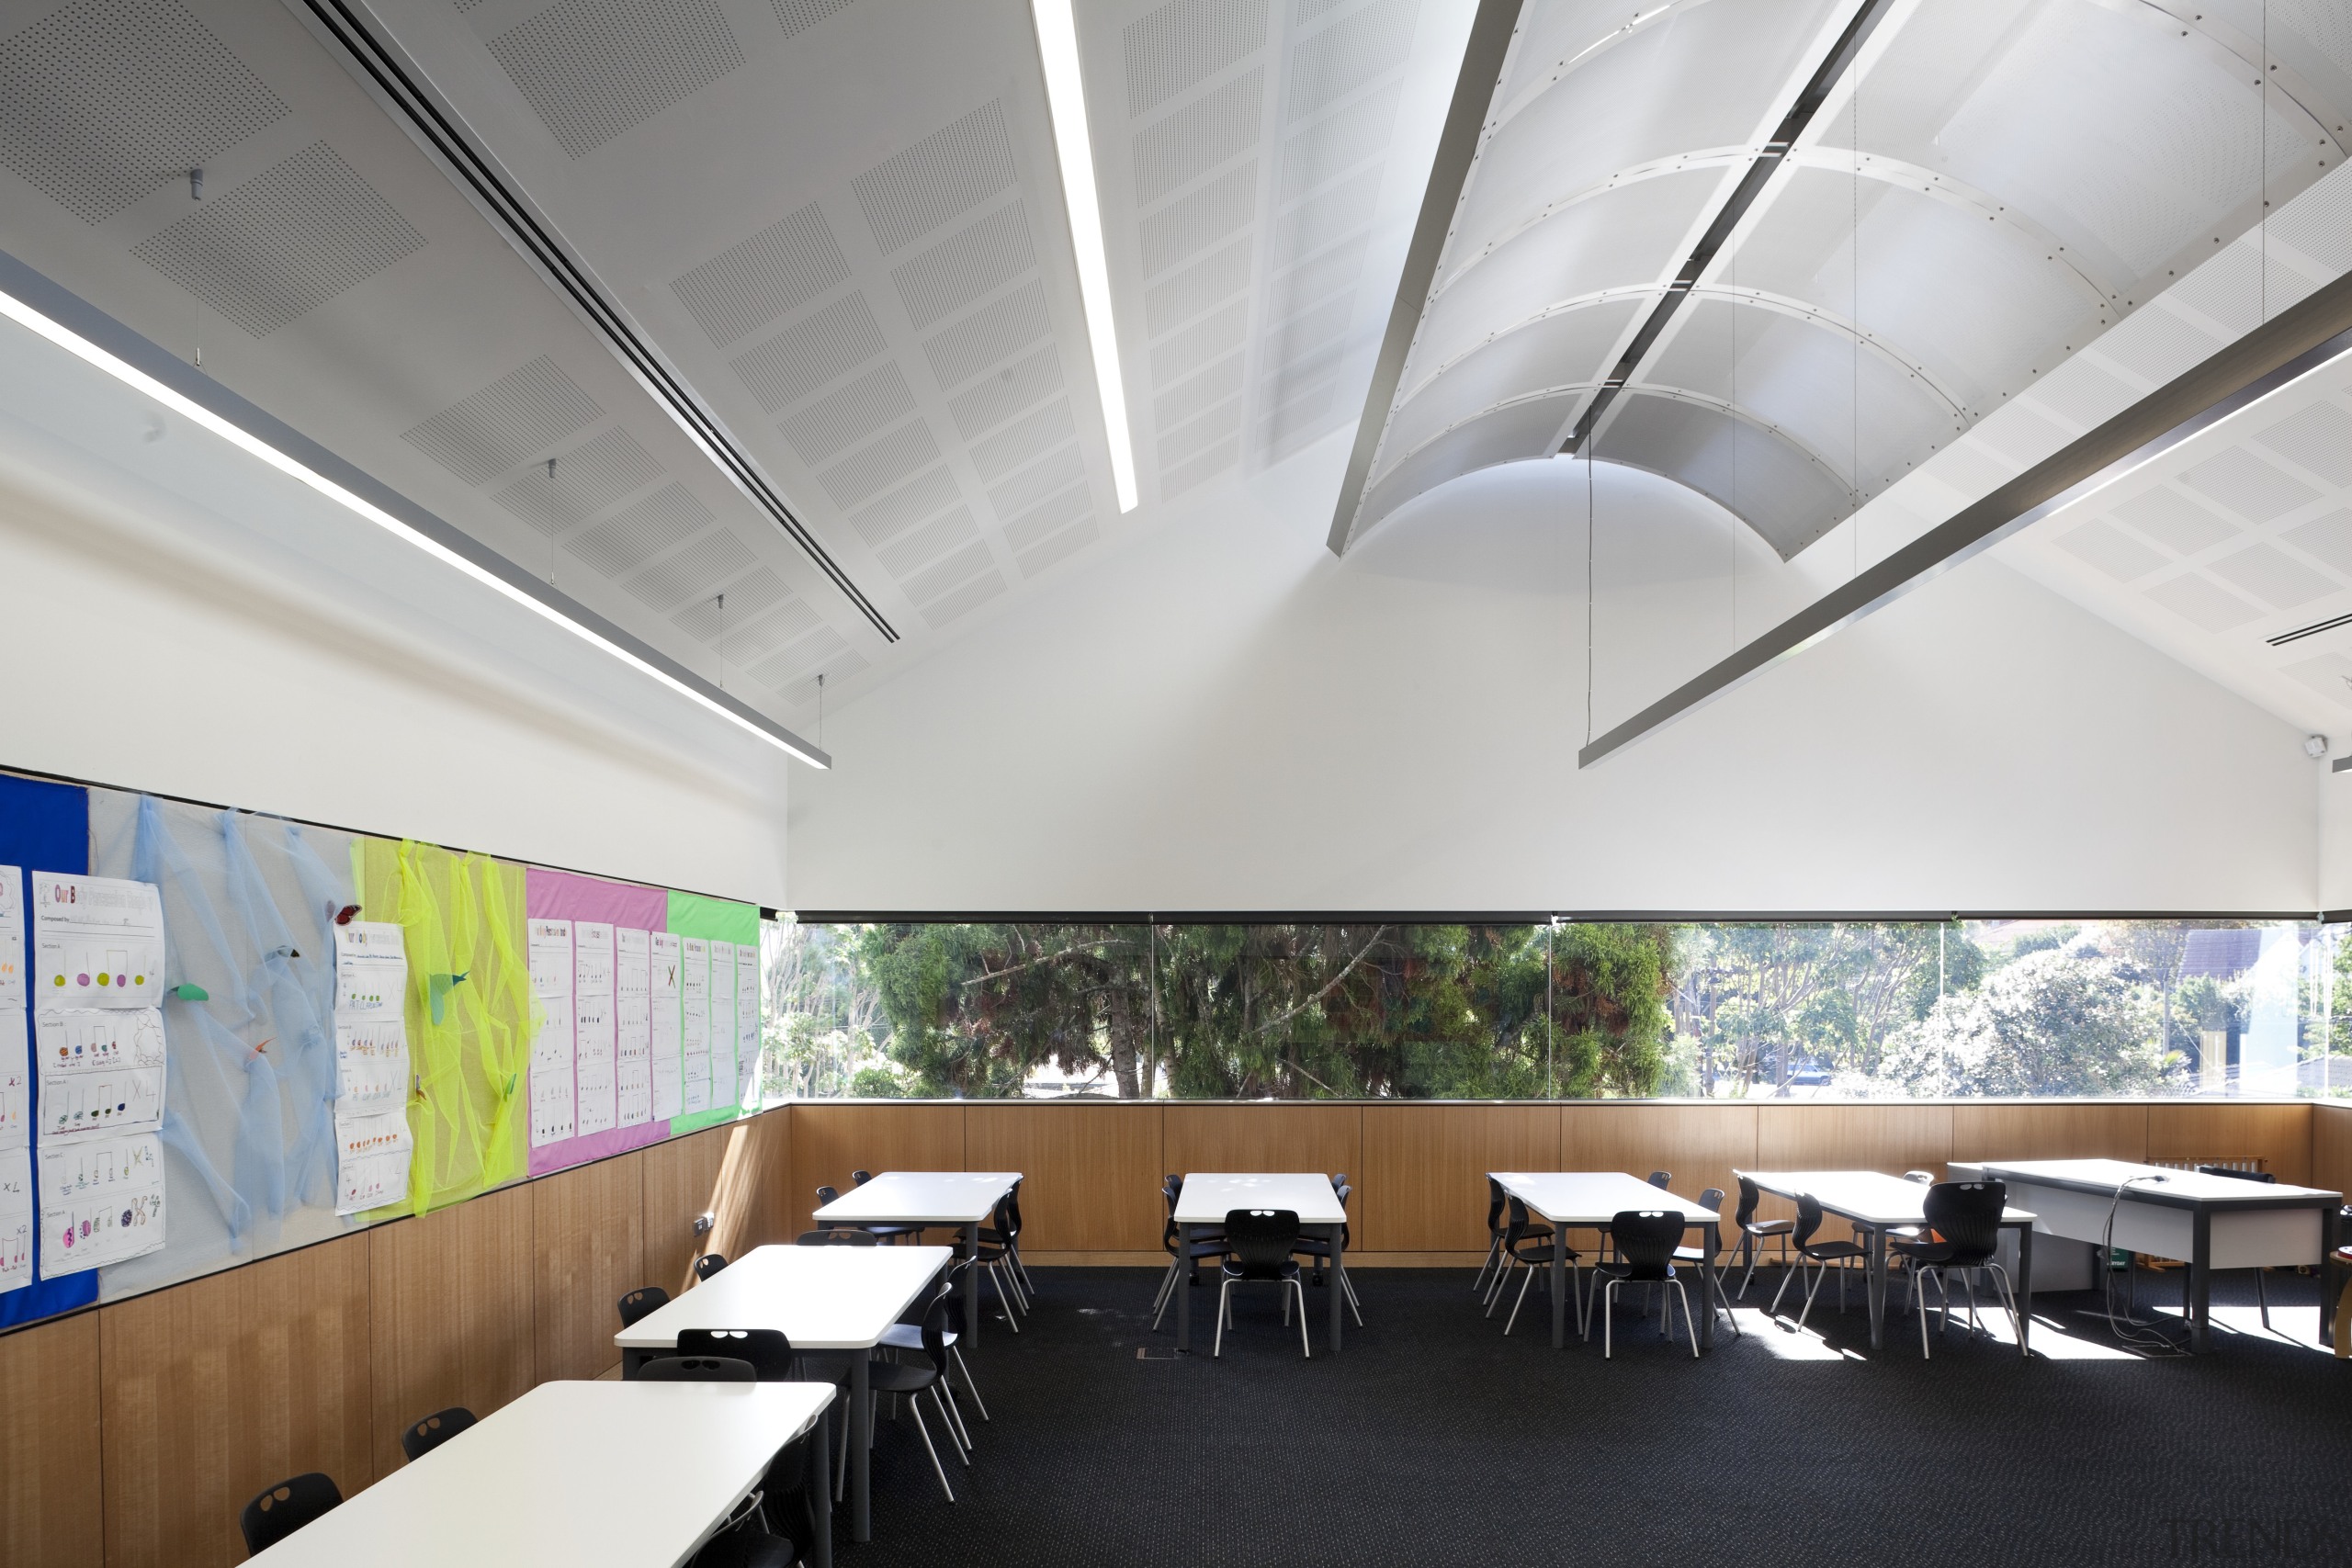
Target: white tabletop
[(2179, 1184), (824, 1298), (922, 1198), (1594, 1197), (1873, 1197), (1208, 1198), (587, 1474)]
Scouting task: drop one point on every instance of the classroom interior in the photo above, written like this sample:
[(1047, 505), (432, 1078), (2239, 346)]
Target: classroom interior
[(1174, 782)]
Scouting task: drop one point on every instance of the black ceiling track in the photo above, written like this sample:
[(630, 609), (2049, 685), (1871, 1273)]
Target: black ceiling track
[(1743, 197), (474, 172)]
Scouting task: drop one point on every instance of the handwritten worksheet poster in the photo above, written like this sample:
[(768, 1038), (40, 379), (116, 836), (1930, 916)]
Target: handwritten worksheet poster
[(15, 1219), (633, 1025), (694, 1009), (669, 1026), (373, 1146), (101, 1201), (12, 939), (99, 942), (101, 1072), (747, 1025), (722, 1024), (554, 1108), (595, 1030)]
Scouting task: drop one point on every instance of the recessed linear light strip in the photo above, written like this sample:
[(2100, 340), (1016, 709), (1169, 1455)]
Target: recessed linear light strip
[(1065, 100), (396, 86), (36, 303)]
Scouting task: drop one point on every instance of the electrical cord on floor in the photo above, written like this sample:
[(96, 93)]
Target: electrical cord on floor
[(2139, 1333)]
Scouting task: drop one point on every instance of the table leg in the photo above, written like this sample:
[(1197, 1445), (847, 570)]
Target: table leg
[(1339, 1282), (632, 1361), (1184, 1289), (972, 1282), (2024, 1287), (2201, 1280), (1876, 1242), (1559, 1284), (1711, 1238), (2331, 1273), (820, 1470), (861, 1447)]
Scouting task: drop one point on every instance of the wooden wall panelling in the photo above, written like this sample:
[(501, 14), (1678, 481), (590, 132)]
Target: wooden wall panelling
[(1701, 1145), (830, 1141), (50, 1500), (451, 1313), (1423, 1183), (1889, 1137), (1283, 1136), (2280, 1134), (1093, 1172), (768, 1180), (2072, 1129), (220, 1386), (681, 1178), (2332, 1148), (587, 1248)]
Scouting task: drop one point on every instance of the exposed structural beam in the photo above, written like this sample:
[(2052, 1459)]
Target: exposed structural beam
[(42, 306), (1457, 148), (390, 78), (1743, 196), (2290, 344)]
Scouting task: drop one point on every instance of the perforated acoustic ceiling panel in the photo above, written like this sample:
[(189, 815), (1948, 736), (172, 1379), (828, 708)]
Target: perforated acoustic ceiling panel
[(291, 238), (795, 15), (103, 101), (485, 434), (749, 285), (581, 482), (595, 68)]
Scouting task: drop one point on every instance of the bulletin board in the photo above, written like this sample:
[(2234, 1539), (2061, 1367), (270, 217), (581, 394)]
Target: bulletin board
[(352, 1029)]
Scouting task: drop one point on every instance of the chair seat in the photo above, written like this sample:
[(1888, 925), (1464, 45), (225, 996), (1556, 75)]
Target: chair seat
[(909, 1336), (1690, 1255), (1832, 1251), (899, 1377), (1769, 1227), (1538, 1250), (746, 1549), (1940, 1255), (1233, 1270), (1617, 1269)]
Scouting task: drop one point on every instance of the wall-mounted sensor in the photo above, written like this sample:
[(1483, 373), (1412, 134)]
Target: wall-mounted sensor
[(704, 1221), (2314, 747)]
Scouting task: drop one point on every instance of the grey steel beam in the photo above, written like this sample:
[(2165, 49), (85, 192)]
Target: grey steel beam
[(2291, 344), (1457, 149)]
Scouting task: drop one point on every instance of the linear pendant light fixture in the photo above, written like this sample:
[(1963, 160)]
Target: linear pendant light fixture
[(1066, 99), (36, 303)]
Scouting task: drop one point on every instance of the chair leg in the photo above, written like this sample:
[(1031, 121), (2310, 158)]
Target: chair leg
[(2262, 1294), (1608, 1319), (1167, 1292), (947, 1420), (1919, 1295), (1724, 1302), (1785, 1277), (1576, 1289), (1355, 1302), (1494, 1249), (1690, 1324), (1530, 1274), (1306, 1348), (937, 1469), (957, 1356), (2009, 1299), (1495, 1292), (841, 1459), (1223, 1292), (1820, 1273), (1010, 1316), (951, 1407)]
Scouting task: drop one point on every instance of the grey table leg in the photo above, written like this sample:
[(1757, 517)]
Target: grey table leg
[(2025, 1290), (1339, 1282), (632, 1360), (2201, 1280), (972, 1281), (2331, 1273), (1877, 1243), (1559, 1287), (861, 1447), (1184, 1289), (1711, 1238), (821, 1466)]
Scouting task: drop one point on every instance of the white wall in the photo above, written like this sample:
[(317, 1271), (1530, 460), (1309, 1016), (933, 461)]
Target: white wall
[(175, 617), (1223, 716)]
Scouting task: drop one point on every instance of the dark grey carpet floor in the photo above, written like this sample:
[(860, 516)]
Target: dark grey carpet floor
[(1433, 1439)]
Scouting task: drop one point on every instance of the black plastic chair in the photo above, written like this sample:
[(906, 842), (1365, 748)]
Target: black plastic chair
[(745, 1547), (824, 1196), (1316, 1250), (768, 1350), (1494, 1233), (994, 1255), (1531, 1246), (709, 1263), (422, 1436), (1259, 1244), (1519, 1232), (1661, 1179), (1696, 1256), (859, 1177), (1206, 1246), (1823, 1255), (643, 1301), (907, 1336), (1645, 1241), (698, 1368), (914, 1380), (1963, 1231), (1752, 1230), (836, 1238), (2261, 1291), (278, 1511)]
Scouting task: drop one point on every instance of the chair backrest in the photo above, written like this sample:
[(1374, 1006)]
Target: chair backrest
[(2233, 1171), (1339, 1181), (1494, 1207), (282, 1509), (642, 1301), (859, 1177), (836, 1238), (1967, 1214), (1171, 1188), (826, 1195), (709, 1263), (1013, 1209), (1925, 1178), (1748, 1197), (1516, 1228), (1661, 1179), (1259, 1242), (1713, 1197), (951, 1294), (1808, 1220), (769, 1351), (698, 1368), (1347, 1231), (1645, 1240), (422, 1436)]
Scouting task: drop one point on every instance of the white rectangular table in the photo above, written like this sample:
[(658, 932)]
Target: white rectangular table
[(587, 1474), (823, 1298), (1588, 1199), (965, 1197), (1875, 1204), (2206, 1221), (1208, 1198)]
